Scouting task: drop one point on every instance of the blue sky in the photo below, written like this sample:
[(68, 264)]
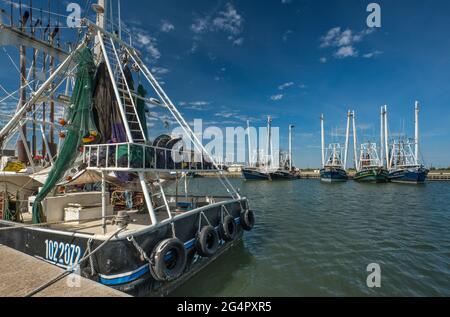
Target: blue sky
[(229, 61)]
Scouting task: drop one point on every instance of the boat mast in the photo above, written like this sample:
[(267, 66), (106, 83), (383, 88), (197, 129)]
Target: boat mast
[(386, 138), (99, 8), (417, 111), (250, 163), (21, 144), (323, 139), (382, 138), (347, 138), (290, 146), (269, 142), (355, 141)]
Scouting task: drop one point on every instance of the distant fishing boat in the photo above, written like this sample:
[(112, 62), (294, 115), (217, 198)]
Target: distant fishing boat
[(369, 166), (265, 169), (334, 159), (404, 161)]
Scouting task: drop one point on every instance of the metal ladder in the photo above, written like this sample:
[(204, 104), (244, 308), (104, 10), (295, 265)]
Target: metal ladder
[(126, 96), (160, 193), (150, 197)]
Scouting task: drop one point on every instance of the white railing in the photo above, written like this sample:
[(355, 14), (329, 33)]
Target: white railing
[(140, 157)]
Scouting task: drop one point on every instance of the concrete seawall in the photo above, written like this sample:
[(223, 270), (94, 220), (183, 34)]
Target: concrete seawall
[(21, 274)]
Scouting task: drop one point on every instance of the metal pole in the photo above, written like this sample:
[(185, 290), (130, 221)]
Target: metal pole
[(323, 139), (148, 199), (119, 9), (250, 163), (417, 133), (290, 147), (347, 138), (104, 203), (101, 24), (269, 142), (382, 138), (355, 141), (386, 138)]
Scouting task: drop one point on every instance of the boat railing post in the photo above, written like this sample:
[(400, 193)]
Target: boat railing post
[(107, 156), (129, 155), (165, 159), (104, 203), (144, 148), (117, 156), (98, 156)]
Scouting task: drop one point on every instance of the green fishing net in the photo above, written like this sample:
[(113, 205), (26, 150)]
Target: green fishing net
[(80, 128)]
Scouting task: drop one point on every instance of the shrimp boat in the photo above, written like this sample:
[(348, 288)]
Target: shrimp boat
[(404, 162), (334, 159), (99, 205), (369, 166), (267, 169)]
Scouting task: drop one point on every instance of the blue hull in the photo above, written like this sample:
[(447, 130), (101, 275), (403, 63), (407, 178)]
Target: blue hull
[(409, 176), (255, 175), (333, 175)]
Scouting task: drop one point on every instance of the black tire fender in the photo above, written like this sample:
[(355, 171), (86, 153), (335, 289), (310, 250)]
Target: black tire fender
[(248, 220), (169, 259), (229, 229), (208, 242)]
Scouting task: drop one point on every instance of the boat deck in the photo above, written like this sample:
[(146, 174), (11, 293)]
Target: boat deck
[(138, 222)]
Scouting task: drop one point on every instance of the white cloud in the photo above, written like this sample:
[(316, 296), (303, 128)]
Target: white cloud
[(228, 21), (372, 54), (160, 70), (147, 43), (303, 86), (286, 35), (343, 41), (323, 60), (200, 25), (166, 26), (346, 51), (277, 97), (238, 42), (285, 85)]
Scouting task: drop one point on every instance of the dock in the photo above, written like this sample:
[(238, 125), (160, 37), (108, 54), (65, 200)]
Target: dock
[(21, 274)]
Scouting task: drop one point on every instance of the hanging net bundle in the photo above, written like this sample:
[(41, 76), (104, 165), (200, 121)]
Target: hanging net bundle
[(80, 128)]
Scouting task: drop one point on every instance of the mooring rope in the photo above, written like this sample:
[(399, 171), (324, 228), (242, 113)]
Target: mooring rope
[(71, 269)]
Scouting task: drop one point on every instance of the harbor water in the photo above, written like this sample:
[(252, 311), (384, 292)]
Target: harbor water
[(315, 239)]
